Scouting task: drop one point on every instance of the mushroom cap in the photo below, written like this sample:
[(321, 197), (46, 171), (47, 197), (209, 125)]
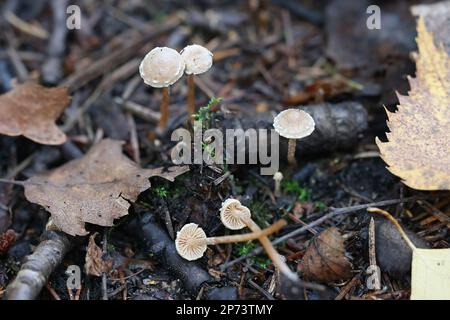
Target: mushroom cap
[(232, 213), (198, 59), (189, 242), (278, 176), (294, 124), (161, 67)]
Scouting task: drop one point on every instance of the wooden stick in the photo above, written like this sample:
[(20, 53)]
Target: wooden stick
[(36, 269), (372, 256)]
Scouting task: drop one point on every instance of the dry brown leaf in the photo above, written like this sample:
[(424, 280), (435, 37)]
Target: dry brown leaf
[(325, 260), (94, 264), (31, 110), (97, 188), (419, 142)]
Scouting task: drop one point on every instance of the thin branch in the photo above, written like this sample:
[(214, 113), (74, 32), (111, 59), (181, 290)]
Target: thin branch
[(37, 268)]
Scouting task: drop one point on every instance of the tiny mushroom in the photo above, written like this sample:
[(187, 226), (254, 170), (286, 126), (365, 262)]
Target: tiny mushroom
[(293, 124), (161, 68), (198, 60), (236, 216), (191, 241), (278, 176)]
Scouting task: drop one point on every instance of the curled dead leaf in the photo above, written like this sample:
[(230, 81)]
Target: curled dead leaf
[(31, 110), (96, 188), (325, 260), (94, 264)]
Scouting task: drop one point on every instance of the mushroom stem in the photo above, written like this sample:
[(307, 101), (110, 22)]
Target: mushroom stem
[(271, 251), (191, 95), (292, 143), (257, 234), (277, 191), (164, 108)]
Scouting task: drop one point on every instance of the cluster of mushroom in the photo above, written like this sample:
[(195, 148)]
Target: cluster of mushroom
[(191, 241), (163, 66)]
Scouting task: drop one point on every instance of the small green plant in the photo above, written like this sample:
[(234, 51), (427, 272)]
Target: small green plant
[(209, 149), (245, 248), (261, 262), (320, 205), (303, 194), (161, 192), (203, 114)]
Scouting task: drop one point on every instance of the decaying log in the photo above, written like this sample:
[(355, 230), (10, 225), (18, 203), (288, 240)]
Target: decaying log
[(156, 239), (338, 127), (37, 267)]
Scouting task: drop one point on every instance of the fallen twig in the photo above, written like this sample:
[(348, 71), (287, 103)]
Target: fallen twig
[(157, 240), (36, 269)]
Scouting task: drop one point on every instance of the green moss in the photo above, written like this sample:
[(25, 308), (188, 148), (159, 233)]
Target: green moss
[(242, 249), (290, 186), (320, 205), (203, 115), (160, 192)]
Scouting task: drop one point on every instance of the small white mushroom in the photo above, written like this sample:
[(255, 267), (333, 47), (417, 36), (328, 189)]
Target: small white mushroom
[(293, 124), (234, 215), (198, 60), (161, 68), (191, 241), (277, 177)]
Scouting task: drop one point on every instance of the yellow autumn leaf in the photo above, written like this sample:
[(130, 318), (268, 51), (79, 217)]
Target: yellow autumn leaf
[(418, 143), (430, 277), (430, 270)]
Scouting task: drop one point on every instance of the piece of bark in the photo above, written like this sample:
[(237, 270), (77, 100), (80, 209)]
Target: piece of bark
[(37, 267), (156, 240), (338, 127)]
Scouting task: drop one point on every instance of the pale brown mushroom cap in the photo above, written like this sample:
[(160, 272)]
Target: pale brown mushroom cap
[(232, 213), (198, 59), (190, 242), (294, 124), (161, 67)]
